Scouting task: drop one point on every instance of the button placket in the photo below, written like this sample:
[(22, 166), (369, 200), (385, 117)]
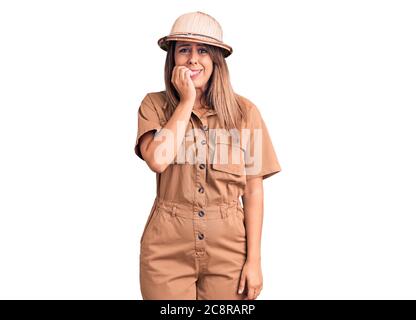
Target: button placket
[(199, 220), (200, 171)]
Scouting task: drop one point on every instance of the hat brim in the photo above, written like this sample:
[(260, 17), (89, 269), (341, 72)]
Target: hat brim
[(162, 42)]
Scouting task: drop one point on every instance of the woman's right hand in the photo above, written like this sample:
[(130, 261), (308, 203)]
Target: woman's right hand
[(181, 80)]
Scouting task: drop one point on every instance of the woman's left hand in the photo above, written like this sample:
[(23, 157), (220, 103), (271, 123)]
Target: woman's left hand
[(251, 280)]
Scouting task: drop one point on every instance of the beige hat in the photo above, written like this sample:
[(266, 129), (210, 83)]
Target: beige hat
[(196, 27)]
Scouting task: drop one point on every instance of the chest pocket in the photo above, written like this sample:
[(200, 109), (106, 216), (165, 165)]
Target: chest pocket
[(228, 158)]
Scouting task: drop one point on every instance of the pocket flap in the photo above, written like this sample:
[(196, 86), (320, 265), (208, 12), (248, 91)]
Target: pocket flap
[(228, 157), (232, 168)]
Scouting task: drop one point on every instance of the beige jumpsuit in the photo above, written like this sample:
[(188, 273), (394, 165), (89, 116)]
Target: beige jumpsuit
[(193, 245)]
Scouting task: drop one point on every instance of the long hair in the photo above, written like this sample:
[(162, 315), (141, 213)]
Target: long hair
[(219, 94)]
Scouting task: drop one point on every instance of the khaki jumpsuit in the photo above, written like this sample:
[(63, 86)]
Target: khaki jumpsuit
[(193, 245)]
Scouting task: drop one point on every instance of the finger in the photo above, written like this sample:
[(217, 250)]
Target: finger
[(176, 72), (188, 75), (250, 294), (259, 290), (179, 73), (178, 77), (175, 75), (185, 76), (241, 284)]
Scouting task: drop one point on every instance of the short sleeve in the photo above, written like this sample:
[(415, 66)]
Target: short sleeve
[(148, 120), (260, 155)]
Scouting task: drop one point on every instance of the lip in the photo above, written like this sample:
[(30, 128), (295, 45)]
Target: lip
[(197, 74)]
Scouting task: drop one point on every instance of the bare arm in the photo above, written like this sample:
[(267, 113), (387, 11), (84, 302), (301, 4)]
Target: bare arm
[(148, 144), (252, 279), (175, 126), (253, 209)]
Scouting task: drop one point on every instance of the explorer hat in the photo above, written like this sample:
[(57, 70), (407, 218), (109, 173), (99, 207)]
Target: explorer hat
[(196, 27)]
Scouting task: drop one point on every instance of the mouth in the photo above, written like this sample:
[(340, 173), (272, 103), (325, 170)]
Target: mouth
[(195, 73)]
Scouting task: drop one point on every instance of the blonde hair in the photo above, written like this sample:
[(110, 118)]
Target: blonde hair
[(219, 94)]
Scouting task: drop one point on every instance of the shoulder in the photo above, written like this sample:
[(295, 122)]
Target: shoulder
[(253, 112), (152, 106), (153, 102), (244, 101), (156, 99)]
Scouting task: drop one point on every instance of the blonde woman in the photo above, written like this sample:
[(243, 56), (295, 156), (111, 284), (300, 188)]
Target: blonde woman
[(208, 147)]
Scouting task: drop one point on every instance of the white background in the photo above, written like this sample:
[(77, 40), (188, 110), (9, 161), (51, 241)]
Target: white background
[(334, 81)]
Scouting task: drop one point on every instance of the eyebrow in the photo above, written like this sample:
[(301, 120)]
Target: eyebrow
[(188, 45)]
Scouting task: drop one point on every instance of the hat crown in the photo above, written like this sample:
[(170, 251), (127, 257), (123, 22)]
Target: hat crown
[(197, 23), (196, 27)]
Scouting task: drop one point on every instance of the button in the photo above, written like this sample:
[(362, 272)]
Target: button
[(201, 213), (200, 236), (203, 142), (201, 190), (202, 166), (205, 127)]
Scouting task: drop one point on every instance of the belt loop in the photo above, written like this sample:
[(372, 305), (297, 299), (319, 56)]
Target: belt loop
[(174, 210)]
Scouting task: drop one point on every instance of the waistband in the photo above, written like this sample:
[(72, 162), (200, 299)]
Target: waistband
[(192, 211)]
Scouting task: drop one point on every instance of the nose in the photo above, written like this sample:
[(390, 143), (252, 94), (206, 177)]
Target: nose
[(193, 58)]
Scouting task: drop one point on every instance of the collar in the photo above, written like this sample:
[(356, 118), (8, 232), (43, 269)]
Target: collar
[(208, 113)]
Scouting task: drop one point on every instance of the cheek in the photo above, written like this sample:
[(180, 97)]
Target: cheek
[(179, 62), (208, 73)]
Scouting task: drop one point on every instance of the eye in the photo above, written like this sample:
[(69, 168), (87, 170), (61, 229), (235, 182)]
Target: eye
[(202, 50)]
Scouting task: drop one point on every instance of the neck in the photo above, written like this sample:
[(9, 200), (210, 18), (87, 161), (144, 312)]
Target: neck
[(198, 103)]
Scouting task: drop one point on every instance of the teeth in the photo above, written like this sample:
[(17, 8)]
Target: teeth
[(195, 72)]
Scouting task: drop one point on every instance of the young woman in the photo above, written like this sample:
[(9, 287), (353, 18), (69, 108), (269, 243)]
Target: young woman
[(208, 147)]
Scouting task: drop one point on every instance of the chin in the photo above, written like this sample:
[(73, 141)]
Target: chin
[(198, 84)]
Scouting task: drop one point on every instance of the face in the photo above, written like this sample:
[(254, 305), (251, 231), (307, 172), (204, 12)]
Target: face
[(195, 57)]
